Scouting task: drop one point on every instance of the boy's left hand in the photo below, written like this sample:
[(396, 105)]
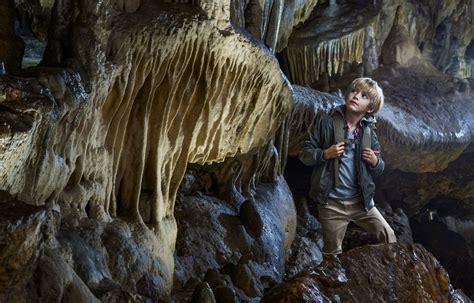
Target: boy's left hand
[(368, 155)]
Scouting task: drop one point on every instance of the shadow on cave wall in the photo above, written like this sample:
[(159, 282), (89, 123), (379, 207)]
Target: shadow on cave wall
[(449, 247)]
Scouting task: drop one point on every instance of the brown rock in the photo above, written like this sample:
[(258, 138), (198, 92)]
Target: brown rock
[(22, 235), (399, 47), (379, 273)]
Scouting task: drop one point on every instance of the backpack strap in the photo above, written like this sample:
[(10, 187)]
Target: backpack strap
[(367, 136), (338, 137)]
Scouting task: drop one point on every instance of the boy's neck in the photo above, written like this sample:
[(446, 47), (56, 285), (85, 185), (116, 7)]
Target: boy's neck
[(352, 118)]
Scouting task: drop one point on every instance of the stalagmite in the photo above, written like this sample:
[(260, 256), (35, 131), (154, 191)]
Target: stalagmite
[(399, 47)]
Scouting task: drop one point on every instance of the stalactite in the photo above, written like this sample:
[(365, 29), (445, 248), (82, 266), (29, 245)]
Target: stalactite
[(307, 62), (164, 92)]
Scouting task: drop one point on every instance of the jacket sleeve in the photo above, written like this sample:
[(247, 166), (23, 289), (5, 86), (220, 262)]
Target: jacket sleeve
[(312, 152), (378, 169)]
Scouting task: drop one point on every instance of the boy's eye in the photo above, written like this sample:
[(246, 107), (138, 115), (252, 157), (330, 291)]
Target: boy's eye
[(364, 96), (354, 90)]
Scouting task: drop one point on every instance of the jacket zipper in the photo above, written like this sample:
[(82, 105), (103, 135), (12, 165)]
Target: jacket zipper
[(359, 160)]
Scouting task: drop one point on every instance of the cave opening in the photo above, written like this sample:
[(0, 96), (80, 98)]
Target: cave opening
[(31, 25)]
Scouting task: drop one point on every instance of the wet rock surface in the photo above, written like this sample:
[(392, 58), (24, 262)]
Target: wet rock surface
[(24, 229), (133, 95), (44, 259), (444, 224), (238, 249), (380, 273), (306, 250)]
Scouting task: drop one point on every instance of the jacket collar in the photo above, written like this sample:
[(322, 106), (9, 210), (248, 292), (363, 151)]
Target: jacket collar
[(366, 120)]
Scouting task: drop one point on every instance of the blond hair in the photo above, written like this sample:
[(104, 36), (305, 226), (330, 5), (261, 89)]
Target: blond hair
[(372, 89)]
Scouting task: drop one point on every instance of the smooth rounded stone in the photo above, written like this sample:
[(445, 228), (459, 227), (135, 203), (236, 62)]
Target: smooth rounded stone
[(411, 192), (251, 218)]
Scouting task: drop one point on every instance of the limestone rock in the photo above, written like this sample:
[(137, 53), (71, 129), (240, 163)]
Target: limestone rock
[(308, 244), (216, 243), (424, 108), (161, 88), (447, 237), (310, 105), (57, 280), (35, 15), (271, 21), (23, 232), (409, 125), (394, 273), (335, 35), (134, 95), (285, 20), (399, 47)]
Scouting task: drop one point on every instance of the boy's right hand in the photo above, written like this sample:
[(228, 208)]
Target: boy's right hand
[(333, 151)]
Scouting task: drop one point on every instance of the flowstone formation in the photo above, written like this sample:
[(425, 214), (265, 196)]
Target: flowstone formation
[(322, 45), (104, 137), (344, 39)]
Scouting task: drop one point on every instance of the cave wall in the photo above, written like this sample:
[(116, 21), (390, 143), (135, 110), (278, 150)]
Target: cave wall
[(424, 127), (160, 87), (334, 42), (137, 104)]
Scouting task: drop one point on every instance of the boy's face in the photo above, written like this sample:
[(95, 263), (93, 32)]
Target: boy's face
[(357, 101)]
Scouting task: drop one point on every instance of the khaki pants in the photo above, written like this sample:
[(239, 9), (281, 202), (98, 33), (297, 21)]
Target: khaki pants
[(336, 215)]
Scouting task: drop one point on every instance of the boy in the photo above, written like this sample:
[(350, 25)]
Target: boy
[(345, 153)]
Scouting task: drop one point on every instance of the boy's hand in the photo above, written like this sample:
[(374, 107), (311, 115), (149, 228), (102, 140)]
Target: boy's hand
[(368, 155), (333, 151)]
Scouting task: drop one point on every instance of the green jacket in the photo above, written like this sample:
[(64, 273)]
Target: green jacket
[(322, 178)]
